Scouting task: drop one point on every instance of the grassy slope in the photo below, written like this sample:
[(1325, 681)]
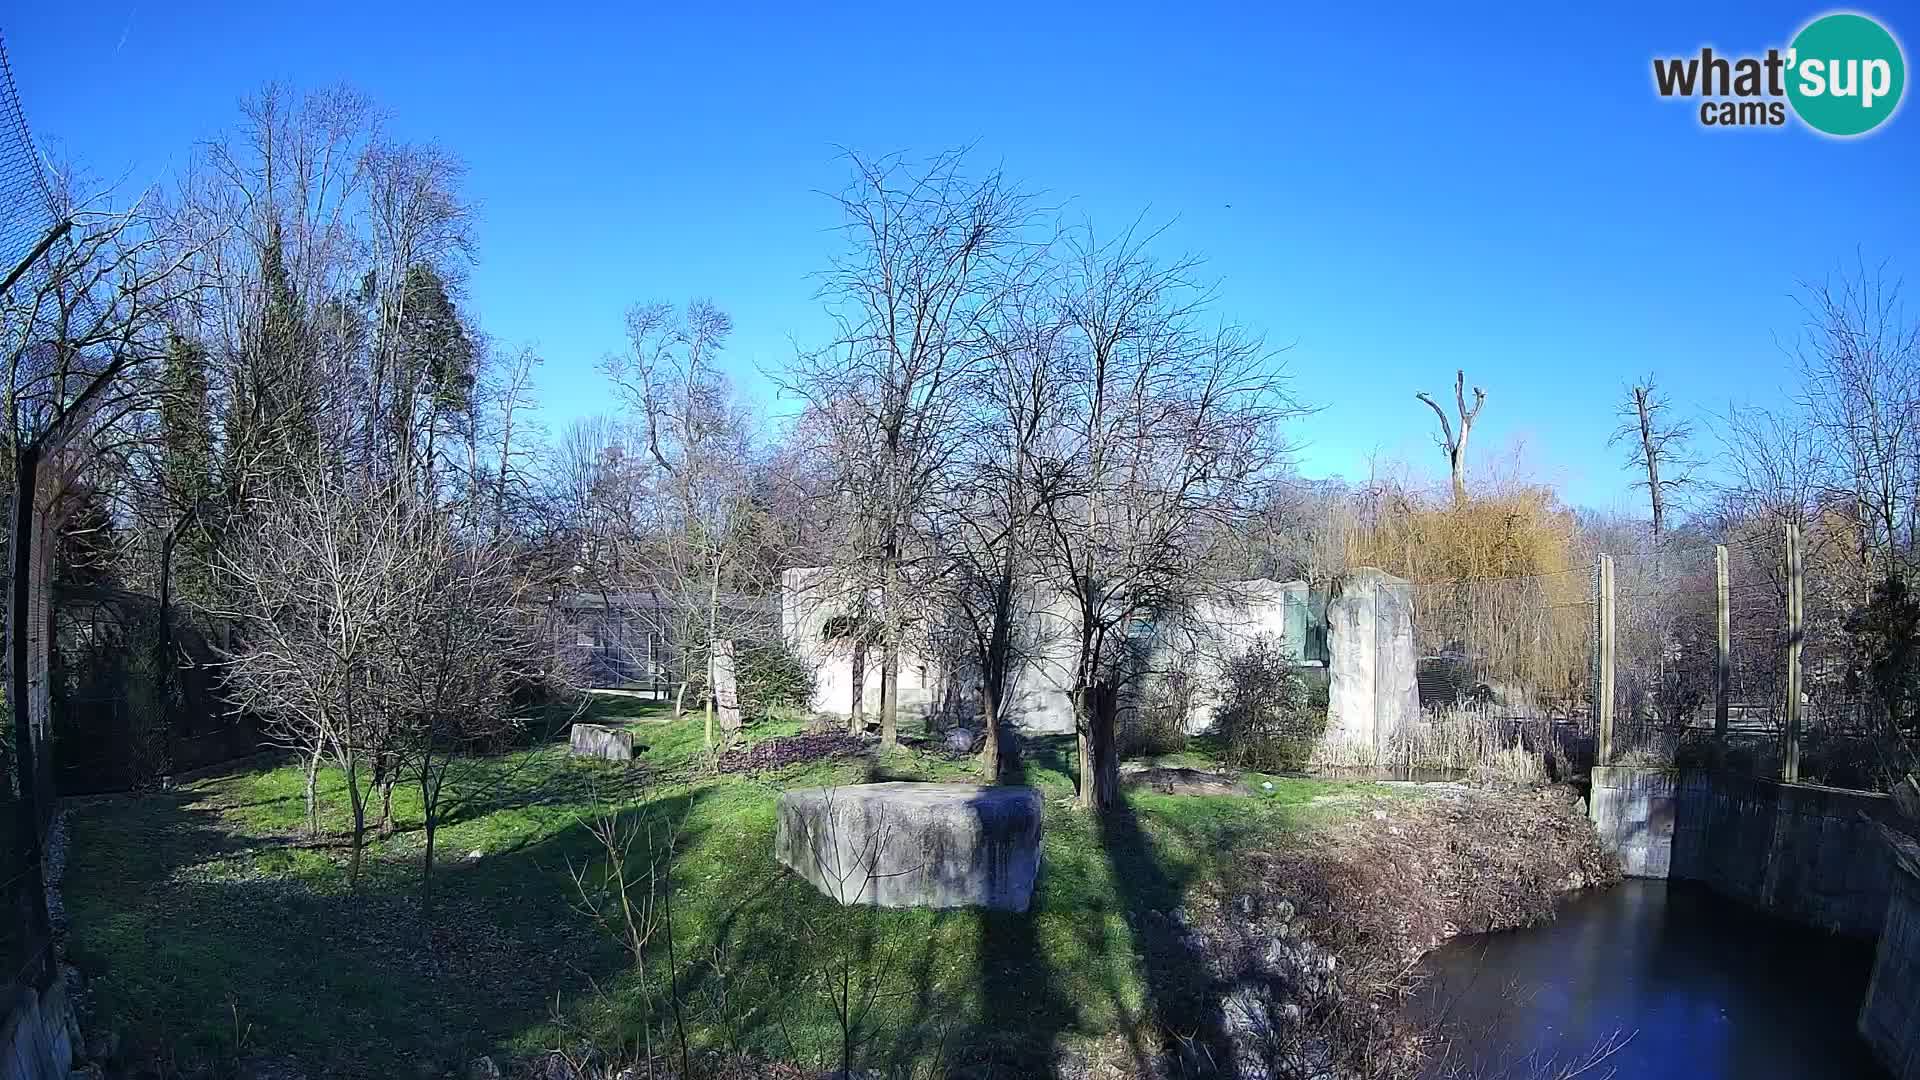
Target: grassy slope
[(216, 930)]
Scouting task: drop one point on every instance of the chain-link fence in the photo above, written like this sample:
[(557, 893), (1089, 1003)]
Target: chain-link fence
[(29, 223)]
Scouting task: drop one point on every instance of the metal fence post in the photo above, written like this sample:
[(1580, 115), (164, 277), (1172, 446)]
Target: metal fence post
[(1603, 691), (1723, 656), (1796, 633)]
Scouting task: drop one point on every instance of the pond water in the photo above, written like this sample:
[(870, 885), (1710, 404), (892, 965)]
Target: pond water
[(1685, 983)]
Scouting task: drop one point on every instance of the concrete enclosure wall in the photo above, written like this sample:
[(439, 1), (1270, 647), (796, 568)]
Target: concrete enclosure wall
[(1372, 663), (1803, 852), (1818, 856), (1890, 1015)]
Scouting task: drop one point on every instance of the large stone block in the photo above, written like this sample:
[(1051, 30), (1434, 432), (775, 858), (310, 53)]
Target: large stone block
[(914, 845), (596, 740), (1373, 690)]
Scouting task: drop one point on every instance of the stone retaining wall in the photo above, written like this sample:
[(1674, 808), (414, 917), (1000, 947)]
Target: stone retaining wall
[(1798, 851), (1890, 1015)]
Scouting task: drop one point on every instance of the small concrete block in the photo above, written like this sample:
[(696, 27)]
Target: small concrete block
[(597, 740)]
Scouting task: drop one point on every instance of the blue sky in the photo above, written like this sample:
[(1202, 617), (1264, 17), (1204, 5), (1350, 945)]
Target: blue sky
[(1396, 192)]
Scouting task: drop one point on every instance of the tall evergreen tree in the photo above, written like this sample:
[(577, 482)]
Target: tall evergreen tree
[(186, 461)]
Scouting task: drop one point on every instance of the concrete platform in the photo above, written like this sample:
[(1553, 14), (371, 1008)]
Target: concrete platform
[(914, 845)]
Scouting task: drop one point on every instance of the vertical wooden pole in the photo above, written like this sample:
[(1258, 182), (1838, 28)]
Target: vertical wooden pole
[(1796, 631), (1603, 692), (1723, 656)]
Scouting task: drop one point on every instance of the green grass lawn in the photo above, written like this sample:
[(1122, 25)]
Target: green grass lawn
[(213, 929)]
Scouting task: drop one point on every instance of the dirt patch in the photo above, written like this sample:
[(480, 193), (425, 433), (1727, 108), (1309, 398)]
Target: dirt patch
[(792, 750), (1181, 781)]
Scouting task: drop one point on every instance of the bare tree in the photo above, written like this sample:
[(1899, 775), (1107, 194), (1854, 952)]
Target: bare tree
[(322, 583), (1657, 446), (1455, 446), (1170, 433), (705, 523), (1859, 362), (927, 261), (467, 642), (989, 523)]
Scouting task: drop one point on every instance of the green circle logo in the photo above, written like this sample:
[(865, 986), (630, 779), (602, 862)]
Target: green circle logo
[(1846, 73)]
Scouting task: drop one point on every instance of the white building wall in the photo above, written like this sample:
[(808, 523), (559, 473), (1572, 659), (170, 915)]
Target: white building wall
[(1040, 699)]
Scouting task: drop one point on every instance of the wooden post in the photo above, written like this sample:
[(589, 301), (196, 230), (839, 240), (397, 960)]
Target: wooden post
[(1796, 633), (1723, 657), (1603, 691), (31, 906)]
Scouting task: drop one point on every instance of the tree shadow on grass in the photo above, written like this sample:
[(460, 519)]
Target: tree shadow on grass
[(203, 946), (1023, 1011), (1183, 1002)]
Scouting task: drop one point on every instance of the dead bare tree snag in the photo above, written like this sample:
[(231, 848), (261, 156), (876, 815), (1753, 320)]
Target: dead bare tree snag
[(1657, 446), (1456, 448)]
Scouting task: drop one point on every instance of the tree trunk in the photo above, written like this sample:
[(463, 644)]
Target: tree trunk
[(313, 783), (1650, 453), (357, 799), (890, 697), (890, 656), (1083, 737), (990, 750), (1094, 712), (998, 659), (426, 868), (713, 626), (857, 711)]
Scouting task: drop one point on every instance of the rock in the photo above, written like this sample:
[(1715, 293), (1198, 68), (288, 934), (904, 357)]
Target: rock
[(958, 741), (1244, 1012), (914, 845), (1266, 785), (598, 740), (473, 855), (726, 690), (482, 1068)]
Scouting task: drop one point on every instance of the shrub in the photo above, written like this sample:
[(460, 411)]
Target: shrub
[(1266, 718), (1157, 723), (771, 675)]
